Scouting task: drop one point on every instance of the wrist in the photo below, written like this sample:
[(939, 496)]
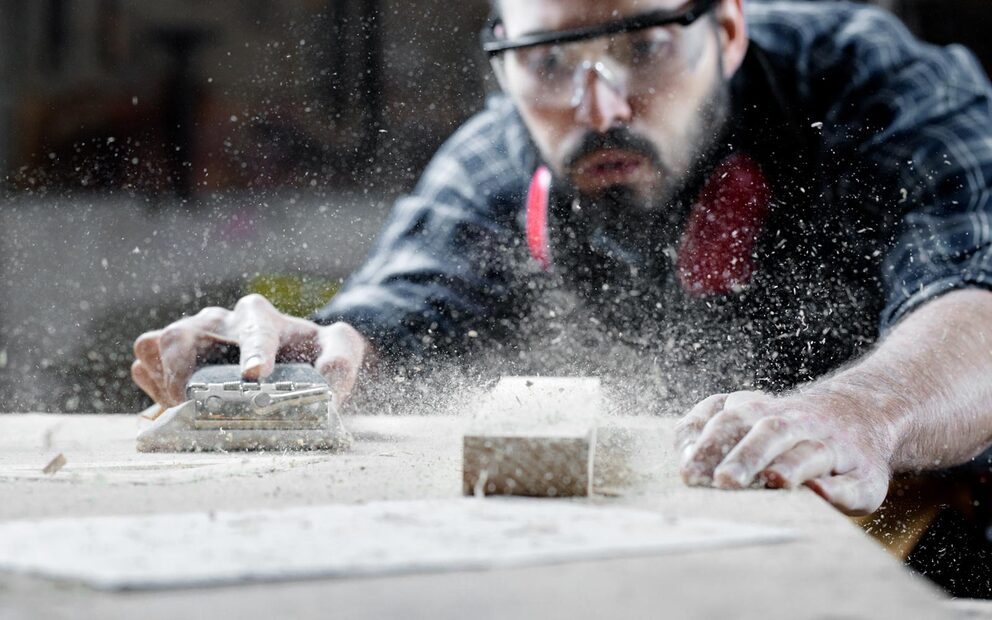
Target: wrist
[(867, 407)]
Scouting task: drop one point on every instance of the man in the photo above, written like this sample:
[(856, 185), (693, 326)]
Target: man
[(756, 195)]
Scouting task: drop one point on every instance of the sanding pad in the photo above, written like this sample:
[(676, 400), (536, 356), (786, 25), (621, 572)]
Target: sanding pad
[(292, 409)]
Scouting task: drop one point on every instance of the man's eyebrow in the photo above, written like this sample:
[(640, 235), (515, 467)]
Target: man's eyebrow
[(645, 15)]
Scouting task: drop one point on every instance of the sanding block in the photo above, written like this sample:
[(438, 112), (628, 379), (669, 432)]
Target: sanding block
[(292, 409)]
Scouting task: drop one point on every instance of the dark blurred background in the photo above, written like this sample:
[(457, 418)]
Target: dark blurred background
[(157, 157)]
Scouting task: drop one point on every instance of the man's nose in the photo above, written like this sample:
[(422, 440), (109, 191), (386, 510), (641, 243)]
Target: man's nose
[(601, 104)]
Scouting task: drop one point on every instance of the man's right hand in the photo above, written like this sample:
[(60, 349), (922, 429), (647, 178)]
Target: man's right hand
[(166, 358)]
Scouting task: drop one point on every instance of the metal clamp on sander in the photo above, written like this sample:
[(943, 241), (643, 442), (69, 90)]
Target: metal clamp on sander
[(292, 409)]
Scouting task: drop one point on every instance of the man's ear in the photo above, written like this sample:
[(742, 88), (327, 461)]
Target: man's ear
[(732, 29)]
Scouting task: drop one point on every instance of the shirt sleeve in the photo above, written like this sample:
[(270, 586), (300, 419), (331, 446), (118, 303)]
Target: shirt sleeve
[(440, 275), (910, 137)]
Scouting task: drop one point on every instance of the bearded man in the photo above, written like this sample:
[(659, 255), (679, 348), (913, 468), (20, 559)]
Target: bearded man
[(791, 201)]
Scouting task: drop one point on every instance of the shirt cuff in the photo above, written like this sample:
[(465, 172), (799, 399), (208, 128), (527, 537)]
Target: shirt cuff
[(902, 303)]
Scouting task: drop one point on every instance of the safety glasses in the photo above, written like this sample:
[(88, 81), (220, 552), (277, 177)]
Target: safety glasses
[(639, 55)]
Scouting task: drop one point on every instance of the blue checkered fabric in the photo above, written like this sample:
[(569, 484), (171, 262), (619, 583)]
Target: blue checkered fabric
[(911, 119)]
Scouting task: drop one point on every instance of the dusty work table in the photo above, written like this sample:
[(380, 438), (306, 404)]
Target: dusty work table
[(832, 571)]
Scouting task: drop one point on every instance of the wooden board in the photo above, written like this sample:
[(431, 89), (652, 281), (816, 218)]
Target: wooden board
[(832, 571), (195, 549), (533, 436)]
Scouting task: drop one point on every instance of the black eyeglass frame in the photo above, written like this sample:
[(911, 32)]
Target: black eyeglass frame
[(493, 46)]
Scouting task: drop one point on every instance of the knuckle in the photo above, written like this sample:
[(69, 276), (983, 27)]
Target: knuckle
[(754, 409), (145, 345), (785, 463), (212, 314), (773, 424), (252, 302), (735, 399), (707, 404), (791, 459), (729, 417), (817, 446), (709, 400), (693, 422), (342, 327), (348, 334), (172, 336)]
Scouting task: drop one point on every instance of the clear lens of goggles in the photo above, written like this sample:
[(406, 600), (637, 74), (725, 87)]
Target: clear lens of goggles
[(634, 63)]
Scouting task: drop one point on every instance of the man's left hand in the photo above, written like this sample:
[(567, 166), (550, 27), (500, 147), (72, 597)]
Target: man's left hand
[(824, 441)]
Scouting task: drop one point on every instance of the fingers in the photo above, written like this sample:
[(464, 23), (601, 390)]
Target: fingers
[(720, 435), (146, 371), (855, 494), (689, 427), (144, 379), (179, 345), (146, 350), (733, 440), (768, 438), (806, 461), (168, 357), (342, 350), (257, 324)]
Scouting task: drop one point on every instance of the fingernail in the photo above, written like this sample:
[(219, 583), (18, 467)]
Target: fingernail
[(252, 363)]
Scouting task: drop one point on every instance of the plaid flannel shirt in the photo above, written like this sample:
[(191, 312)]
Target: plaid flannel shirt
[(911, 120)]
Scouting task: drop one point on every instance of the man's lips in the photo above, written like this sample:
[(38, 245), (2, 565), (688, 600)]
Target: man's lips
[(608, 166)]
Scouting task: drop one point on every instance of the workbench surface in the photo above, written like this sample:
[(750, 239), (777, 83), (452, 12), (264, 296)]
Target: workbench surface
[(832, 571)]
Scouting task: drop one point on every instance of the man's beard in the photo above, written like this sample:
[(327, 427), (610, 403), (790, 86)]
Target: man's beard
[(624, 208)]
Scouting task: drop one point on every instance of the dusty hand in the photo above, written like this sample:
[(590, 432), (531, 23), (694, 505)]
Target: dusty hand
[(736, 440), (166, 358)]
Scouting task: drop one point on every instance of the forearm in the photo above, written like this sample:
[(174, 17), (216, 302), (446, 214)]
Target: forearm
[(927, 388), (921, 400)]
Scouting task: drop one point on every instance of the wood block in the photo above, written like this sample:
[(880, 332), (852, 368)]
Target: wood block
[(533, 436)]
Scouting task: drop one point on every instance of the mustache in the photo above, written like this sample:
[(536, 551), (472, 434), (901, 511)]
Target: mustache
[(613, 138)]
